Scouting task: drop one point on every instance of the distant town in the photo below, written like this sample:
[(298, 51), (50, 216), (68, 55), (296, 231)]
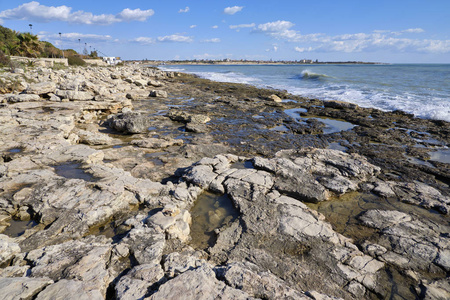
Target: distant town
[(249, 62)]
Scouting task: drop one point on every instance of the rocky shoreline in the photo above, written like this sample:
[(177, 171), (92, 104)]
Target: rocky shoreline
[(135, 183)]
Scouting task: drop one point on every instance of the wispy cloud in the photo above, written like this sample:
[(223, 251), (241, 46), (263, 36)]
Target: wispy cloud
[(184, 10), (215, 27), (273, 49), (211, 56), (240, 26), (178, 38), (74, 36), (353, 42), (144, 40), (359, 42), (192, 26), (213, 40), (414, 30), (34, 11), (232, 10)]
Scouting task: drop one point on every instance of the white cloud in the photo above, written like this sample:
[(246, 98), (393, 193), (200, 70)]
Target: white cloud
[(240, 26), (214, 27), (144, 40), (135, 14), (74, 36), (379, 40), (414, 30), (184, 10), (213, 40), (279, 29), (211, 56), (232, 10), (175, 38), (354, 42), (192, 26), (273, 49), (34, 11), (301, 50)]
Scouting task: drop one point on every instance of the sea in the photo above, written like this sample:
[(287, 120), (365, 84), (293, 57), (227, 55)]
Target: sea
[(420, 89)]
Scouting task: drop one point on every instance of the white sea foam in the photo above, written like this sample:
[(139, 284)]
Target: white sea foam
[(388, 88)]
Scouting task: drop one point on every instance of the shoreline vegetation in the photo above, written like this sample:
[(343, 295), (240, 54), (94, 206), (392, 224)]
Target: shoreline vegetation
[(129, 182)]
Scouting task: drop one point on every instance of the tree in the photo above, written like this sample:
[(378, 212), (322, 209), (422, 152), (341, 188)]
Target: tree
[(29, 45)]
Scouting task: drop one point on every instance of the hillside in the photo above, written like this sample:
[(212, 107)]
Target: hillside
[(28, 45)]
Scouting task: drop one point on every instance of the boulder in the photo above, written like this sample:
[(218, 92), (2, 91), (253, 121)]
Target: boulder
[(41, 88), (24, 98), (129, 122), (158, 93), (274, 98), (75, 95)]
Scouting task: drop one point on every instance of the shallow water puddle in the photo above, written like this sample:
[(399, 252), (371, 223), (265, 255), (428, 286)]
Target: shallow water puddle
[(441, 155), (210, 212), (331, 125), (242, 165), (295, 112), (342, 213), (72, 170), (418, 161), (337, 146), (280, 128), (17, 227), (15, 150)]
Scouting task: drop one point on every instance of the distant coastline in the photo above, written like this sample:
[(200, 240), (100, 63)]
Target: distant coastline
[(255, 62)]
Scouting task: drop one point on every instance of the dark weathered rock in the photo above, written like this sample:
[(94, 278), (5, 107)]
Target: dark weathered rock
[(130, 122)]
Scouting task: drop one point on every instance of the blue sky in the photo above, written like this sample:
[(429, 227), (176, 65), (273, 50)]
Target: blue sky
[(399, 31)]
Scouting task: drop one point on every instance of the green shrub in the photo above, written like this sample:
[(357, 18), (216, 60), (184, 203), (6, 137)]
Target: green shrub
[(76, 61), (4, 59)]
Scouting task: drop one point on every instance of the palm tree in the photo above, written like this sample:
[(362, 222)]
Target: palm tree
[(11, 48), (29, 44)]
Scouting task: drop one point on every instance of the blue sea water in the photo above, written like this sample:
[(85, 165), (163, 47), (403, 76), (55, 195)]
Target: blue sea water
[(420, 89)]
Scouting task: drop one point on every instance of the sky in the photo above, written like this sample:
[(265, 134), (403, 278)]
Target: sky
[(393, 31)]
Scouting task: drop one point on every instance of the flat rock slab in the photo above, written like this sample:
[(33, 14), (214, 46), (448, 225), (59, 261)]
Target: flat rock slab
[(22, 287)]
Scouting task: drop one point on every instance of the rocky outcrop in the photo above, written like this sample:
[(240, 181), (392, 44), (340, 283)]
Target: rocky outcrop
[(89, 211)]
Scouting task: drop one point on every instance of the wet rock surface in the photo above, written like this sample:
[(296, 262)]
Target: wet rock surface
[(326, 200)]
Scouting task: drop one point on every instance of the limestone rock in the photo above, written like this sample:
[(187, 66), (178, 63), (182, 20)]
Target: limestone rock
[(8, 248), (24, 98), (69, 289), (41, 88), (22, 287), (200, 283), (137, 282), (137, 94), (74, 95), (130, 122), (157, 143), (274, 98), (256, 283), (93, 138), (158, 93)]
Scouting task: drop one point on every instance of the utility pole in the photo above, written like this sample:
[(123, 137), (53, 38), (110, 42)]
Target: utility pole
[(79, 44), (61, 44)]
